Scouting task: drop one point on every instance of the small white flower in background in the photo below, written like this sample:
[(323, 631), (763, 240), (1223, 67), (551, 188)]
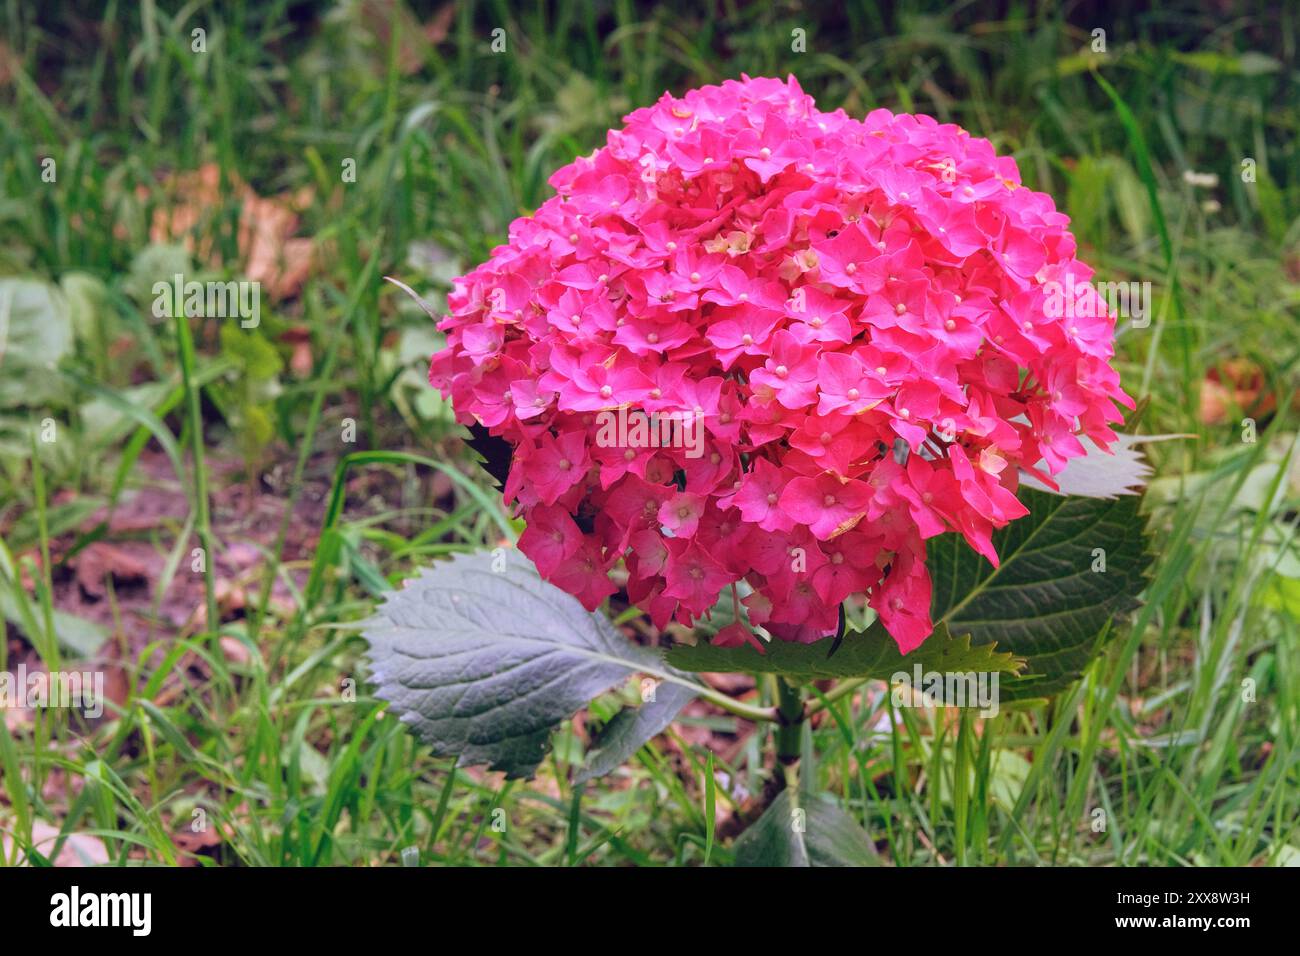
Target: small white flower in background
[(1204, 180)]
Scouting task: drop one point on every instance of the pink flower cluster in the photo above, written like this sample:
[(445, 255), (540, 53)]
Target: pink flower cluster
[(854, 309)]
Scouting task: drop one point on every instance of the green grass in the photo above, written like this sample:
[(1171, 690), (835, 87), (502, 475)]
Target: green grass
[(281, 747)]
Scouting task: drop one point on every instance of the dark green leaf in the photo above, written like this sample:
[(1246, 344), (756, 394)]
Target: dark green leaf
[(632, 727), (805, 830), (869, 653), (1045, 602)]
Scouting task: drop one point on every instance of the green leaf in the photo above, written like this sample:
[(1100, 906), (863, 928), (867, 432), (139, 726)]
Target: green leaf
[(250, 352), (632, 727), (108, 423), (75, 634), (805, 830), (710, 807), (35, 333), (1250, 63), (154, 264), (1045, 603), (483, 659), (869, 653), (88, 310)]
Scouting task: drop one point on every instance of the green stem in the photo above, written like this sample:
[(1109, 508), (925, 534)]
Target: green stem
[(840, 690), (185, 342), (50, 655), (790, 718), (738, 707)]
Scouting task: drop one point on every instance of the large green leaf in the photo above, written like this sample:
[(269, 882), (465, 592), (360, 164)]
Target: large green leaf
[(1045, 609), (805, 830), (483, 659), (35, 333), (869, 653), (1045, 602)]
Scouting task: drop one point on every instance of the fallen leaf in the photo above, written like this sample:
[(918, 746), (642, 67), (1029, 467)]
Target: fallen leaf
[(78, 850), (241, 556), (99, 559), (379, 17), (1214, 402), (230, 598), (191, 843), (8, 64), (1237, 383), (280, 263), (117, 681), (298, 337), (268, 250), (235, 651), (437, 29)]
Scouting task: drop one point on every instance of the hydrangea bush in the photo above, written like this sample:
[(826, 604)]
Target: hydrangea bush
[(817, 290), (848, 324)]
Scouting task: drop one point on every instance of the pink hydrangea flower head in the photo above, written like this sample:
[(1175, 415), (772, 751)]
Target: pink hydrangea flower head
[(822, 341)]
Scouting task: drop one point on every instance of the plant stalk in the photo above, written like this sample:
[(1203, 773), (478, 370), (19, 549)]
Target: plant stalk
[(838, 692), (199, 491), (789, 718)]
